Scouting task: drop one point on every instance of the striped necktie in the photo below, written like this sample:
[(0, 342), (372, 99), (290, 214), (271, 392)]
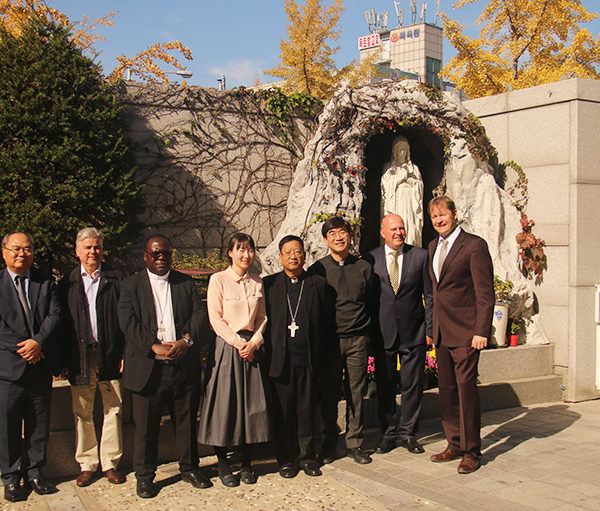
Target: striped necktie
[(20, 280)]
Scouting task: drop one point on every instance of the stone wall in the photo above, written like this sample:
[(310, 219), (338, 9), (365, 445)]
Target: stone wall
[(552, 132), (212, 163)]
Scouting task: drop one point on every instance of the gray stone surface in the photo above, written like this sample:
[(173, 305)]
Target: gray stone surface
[(543, 457), (552, 131), (515, 362), (332, 176)]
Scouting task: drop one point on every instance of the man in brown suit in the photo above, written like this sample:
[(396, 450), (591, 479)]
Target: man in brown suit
[(463, 305)]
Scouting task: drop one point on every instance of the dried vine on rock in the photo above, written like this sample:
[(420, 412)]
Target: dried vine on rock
[(213, 163), (531, 248)]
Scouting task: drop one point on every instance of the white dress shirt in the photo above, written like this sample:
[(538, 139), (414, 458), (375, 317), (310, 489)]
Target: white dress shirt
[(161, 292), (91, 283), (436, 257), (389, 257)]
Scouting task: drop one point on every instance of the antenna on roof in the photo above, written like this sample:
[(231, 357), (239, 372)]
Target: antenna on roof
[(382, 22), (370, 16), (413, 6), (423, 9), (399, 12)]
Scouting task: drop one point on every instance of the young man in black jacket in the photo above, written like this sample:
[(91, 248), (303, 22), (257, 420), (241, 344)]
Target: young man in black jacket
[(350, 284)]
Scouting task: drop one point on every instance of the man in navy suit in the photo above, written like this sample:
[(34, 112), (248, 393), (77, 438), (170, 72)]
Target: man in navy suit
[(403, 329), (29, 320)]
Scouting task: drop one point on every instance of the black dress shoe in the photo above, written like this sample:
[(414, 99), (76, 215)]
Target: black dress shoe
[(311, 468), (196, 478), (385, 445), (42, 487), (288, 470), (229, 480), (359, 456), (14, 492), (412, 445), (247, 476), (328, 457), (146, 489)]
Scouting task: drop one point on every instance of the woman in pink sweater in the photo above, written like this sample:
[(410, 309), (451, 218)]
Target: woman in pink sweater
[(234, 412)]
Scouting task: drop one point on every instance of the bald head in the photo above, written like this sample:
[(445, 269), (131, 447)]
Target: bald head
[(393, 231)]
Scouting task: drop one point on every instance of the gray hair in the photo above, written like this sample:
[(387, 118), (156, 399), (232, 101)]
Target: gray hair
[(88, 232), (7, 237)]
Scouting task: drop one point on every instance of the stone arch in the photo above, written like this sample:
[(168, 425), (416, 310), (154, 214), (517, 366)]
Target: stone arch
[(333, 176), (427, 153)]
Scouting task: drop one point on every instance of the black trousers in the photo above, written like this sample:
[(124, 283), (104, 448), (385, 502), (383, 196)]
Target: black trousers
[(412, 369), (167, 386), (24, 424), (353, 359), (294, 398)]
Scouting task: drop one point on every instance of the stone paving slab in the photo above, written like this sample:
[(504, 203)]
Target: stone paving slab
[(542, 457)]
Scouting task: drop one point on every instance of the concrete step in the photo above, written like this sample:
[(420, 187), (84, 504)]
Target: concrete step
[(492, 395), (515, 362), (502, 386)]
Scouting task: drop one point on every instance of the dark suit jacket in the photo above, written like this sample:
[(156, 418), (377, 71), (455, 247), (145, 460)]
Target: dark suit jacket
[(137, 317), (402, 315), (463, 299), (323, 344), (76, 329), (46, 316)]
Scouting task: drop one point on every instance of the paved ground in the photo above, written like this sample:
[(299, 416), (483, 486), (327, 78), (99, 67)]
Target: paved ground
[(543, 457)]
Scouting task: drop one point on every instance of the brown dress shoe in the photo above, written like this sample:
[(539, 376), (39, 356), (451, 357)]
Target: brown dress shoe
[(469, 463), (114, 476), (85, 478), (446, 455)]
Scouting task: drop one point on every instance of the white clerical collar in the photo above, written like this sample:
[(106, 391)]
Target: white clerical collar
[(154, 276), (94, 275)]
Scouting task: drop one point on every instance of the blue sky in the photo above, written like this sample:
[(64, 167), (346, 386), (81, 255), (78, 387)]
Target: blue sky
[(235, 37)]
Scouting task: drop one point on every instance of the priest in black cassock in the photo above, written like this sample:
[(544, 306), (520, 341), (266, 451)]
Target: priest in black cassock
[(300, 347)]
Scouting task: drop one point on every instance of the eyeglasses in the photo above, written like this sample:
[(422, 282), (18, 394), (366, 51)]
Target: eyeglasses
[(165, 253), (291, 253), (338, 233), (18, 250)]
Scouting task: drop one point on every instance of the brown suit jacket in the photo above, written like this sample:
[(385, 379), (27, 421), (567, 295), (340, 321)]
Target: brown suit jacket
[(463, 299)]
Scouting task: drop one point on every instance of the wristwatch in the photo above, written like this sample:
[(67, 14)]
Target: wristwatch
[(188, 341)]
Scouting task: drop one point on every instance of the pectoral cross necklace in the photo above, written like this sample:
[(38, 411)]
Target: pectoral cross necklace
[(292, 327)]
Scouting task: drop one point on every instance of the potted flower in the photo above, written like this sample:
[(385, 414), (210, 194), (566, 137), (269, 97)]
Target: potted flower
[(431, 369), (371, 386), (502, 289), (513, 330)]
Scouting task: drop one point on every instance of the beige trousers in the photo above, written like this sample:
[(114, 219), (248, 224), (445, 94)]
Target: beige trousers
[(111, 443)]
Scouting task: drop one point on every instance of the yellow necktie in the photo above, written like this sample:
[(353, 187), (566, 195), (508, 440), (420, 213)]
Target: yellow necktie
[(394, 272)]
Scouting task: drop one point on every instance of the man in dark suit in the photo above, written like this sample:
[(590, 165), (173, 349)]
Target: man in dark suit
[(463, 297), (163, 321), (29, 320), (300, 345), (93, 353), (403, 327)]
